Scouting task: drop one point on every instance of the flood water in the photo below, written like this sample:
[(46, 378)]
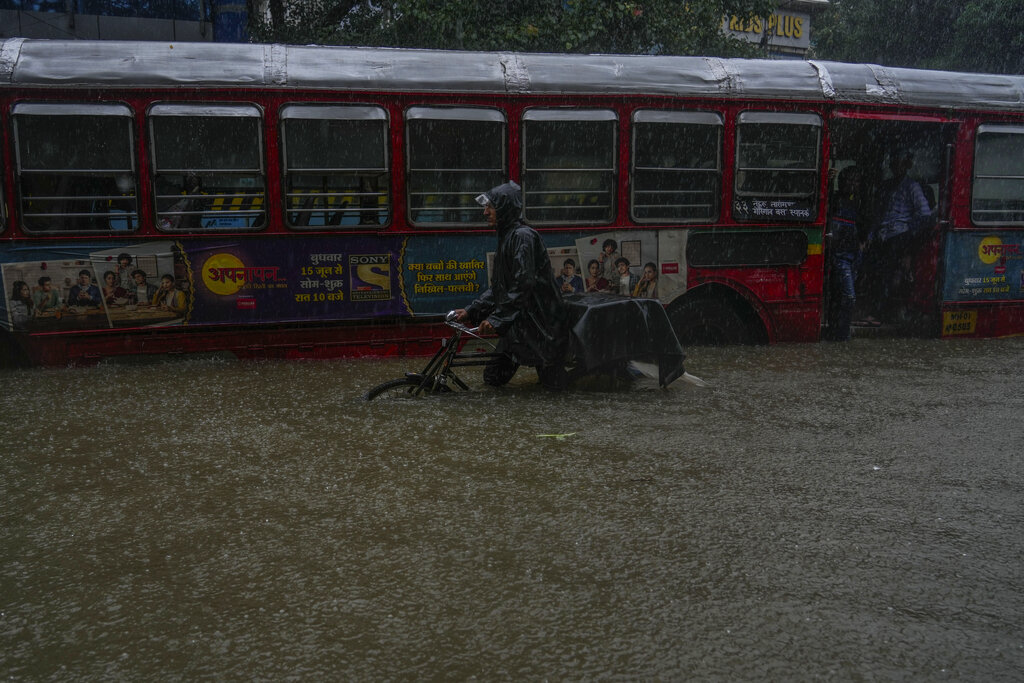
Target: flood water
[(826, 511)]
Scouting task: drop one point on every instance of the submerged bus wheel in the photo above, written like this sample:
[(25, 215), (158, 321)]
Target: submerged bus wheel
[(711, 322)]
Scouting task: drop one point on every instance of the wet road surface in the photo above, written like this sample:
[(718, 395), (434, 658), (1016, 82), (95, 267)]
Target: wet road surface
[(818, 512)]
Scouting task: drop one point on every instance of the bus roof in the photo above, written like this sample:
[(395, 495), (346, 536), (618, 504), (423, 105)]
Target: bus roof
[(27, 62)]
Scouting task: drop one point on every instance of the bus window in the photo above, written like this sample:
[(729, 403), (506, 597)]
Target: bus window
[(998, 194), (75, 167), (454, 155), (569, 165), (777, 166), (207, 167), (677, 169), (336, 166)]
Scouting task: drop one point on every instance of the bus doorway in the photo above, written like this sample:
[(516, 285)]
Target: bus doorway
[(901, 210)]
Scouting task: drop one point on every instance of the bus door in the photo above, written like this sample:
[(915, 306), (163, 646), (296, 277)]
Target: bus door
[(902, 213)]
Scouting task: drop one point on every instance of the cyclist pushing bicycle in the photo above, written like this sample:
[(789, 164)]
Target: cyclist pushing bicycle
[(536, 326), (523, 305)]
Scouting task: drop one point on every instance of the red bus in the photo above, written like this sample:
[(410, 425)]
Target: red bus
[(284, 201)]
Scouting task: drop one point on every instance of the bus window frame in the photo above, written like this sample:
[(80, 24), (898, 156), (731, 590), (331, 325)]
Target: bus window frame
[(420, 112), (682, 116), (74, 108), (783, 118), (578, 115), (210, 110), (341, 112), (1013, 128)]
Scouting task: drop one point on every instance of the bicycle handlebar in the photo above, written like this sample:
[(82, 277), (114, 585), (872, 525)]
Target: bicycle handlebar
[(462, 328), (450, 320)]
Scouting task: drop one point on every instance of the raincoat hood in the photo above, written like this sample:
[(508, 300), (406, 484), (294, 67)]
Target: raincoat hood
[(507, 200)]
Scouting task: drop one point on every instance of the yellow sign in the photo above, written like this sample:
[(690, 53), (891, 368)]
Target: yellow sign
[(778, 25), (212, 274), (789, 29), (986, 251), (959, 322)]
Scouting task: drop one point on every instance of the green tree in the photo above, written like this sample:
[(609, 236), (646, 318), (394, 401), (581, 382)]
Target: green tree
[(962, 35), (581, 26), (989, 36)]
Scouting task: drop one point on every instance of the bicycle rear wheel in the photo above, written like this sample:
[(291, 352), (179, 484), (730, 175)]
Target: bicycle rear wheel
[(401, 387)]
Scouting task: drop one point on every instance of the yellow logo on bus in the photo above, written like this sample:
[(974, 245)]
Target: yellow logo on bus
[(213, 270), (988, 250)]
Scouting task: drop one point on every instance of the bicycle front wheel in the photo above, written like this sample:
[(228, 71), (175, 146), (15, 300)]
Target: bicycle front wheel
[(402, 387)]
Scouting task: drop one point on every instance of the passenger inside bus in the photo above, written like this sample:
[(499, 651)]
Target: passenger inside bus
[(844, 254), (895, 240), (182, 214), (903, 291)]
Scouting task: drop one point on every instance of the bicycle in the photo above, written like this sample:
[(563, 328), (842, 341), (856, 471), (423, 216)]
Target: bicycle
[(620, 338), (438, 376)]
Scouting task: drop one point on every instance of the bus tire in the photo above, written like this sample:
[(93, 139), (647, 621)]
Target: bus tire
[(709, 322), (400, 387)]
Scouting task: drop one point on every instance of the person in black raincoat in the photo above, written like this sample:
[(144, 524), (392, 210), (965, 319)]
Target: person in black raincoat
[(523, 305)]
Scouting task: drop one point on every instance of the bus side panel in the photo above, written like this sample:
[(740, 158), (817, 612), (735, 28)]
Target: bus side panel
[(983, 289), (257, 280), (786, 295), (297, 295)]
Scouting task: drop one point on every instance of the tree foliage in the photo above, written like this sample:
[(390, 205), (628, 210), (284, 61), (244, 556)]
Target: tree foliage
[(581, 26), (959, 35)]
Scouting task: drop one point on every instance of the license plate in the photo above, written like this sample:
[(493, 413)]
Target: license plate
[(959, 322)]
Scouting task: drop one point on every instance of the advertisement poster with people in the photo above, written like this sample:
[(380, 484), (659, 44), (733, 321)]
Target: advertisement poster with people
[(145, 285), (279, 280)]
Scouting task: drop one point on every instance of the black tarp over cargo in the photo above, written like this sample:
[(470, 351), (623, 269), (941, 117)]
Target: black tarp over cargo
[(607, 329)]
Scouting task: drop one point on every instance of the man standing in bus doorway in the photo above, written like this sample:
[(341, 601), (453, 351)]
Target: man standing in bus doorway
[(906, 211), (523, 305)]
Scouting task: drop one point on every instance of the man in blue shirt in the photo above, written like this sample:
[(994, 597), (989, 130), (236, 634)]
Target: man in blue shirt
[(907, 204), (907, 211)]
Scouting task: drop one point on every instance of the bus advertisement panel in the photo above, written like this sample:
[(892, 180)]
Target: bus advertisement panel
[(984, 275), (261, 281)]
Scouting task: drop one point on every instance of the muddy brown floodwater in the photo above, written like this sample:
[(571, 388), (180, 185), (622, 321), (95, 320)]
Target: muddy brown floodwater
[(818, 512)]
